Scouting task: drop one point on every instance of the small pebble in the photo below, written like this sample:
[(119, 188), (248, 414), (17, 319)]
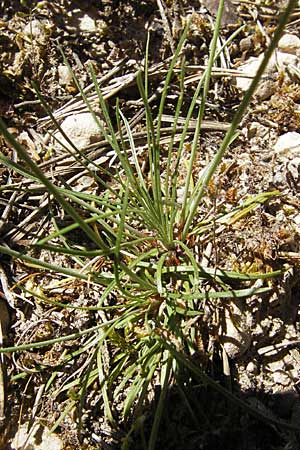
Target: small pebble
[(275, 366), (81, 129), (268, 85), (34, 29), (289, 43), (281, 377), (252, 368), (87, 24), (288, 145), (64, 75)]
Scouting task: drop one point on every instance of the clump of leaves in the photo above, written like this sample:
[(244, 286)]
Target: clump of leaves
[(146, 239)]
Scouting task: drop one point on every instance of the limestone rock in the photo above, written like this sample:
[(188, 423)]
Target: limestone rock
[(281, 377), (38, 438), (289, 43), (268, 85), (34, 29), (87, 24), (288, 145), (37, 30), (81, 129), (64, 75), (252, 368)]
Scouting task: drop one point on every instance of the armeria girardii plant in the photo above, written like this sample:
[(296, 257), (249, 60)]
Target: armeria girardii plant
[(142, 237)]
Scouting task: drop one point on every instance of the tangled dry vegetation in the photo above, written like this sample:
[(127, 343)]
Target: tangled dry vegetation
[(247, 224)]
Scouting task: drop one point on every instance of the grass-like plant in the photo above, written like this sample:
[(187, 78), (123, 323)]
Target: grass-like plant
[(145, 238)]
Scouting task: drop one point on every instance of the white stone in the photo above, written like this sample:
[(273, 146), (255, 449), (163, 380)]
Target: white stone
[(297, 221), (34, 29), (268, 85), (291, 332), (87, 24), (288, 145), (293, 166), (282, 60), (81, 129), (275, 366), (247, 70), (64, 75), (26, 439), (252, 368), (282, 378), (289, 43)]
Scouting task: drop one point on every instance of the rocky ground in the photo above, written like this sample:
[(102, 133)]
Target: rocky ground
[(262, 335)]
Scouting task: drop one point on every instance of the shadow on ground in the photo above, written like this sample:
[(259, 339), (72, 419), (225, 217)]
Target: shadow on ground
[(197, 417)]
